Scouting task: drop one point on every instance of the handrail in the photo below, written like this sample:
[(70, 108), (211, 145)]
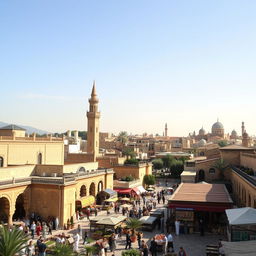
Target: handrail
[(244, 175)]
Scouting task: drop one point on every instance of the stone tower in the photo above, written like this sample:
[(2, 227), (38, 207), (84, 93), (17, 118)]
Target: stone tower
[(166, 130), (245, 139), (243, 128), (93, 116)]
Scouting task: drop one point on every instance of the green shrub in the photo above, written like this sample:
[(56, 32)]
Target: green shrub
[(131, 252)]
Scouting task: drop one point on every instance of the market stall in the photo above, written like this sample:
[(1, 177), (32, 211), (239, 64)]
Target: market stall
[(148, 222), (242, 224), (161, 241), (246, 248)]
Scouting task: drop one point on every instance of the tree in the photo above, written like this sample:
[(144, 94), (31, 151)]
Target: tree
[(222, 143), (123, 137), (149, 180), (221, 165), (158, 164), (177, 167), (63, 250), (129, 152), (133, 224), (167, 161), (12, 242)]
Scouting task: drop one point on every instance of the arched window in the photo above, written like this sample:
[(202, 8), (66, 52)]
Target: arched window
[(100, 186), (92, 191), (1, 161), (83, 191), (39, 158)]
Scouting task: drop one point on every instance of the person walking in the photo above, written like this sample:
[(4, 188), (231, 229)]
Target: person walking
[(144, 248), (170, 243), (76, 242), (153, 247), (41, 248), (139, 236), (182, 252), (38, 228), (128, 241), (177, 227), (163, 198), (30, 250), (85, 238), (33, 229)]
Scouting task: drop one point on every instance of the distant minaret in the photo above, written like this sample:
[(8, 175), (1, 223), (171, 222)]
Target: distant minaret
[(243, 128), (166, 130), (93, 117)]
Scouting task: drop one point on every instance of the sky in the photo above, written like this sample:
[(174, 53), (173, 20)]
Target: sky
[(184, 63)]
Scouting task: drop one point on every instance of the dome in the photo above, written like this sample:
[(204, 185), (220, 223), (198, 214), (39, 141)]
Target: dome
[(234, 133), (218, 125), (202, 131), (202, 142)]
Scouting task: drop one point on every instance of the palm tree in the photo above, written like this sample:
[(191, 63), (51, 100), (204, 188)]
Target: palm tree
[(63, 250), (12, 242), (133, 224), (222, 166)]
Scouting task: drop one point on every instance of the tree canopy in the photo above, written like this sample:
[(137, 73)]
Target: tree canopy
[(149, 179), (123, 137), (158, 164)]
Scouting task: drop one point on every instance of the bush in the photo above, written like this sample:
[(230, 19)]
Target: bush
[(132, 161), (158, 164), (127, 178), (149, 180), (131, 252)]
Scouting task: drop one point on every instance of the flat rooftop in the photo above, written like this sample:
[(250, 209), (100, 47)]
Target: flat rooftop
[(196, 192)]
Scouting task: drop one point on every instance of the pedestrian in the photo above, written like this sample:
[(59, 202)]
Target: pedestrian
[(41, 248), (128, 241), (85, 238), (153, 247), (44, 230), (33, 229), (79, 230), (177, 227), (144, 248), (170, 243), (30, 250), (139, 236), (201, 227), (50, 226), (158, 198), (76, 242), (163, 198), (38, 228), (112, 242), (182, 252)]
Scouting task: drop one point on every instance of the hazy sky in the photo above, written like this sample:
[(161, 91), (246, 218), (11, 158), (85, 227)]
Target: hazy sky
[(186, 63)]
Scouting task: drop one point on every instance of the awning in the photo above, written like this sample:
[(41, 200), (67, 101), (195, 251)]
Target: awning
[(86, 201), (136, 190), (110, 192), (141, 189), (198, 207), (111, 199), (123, 190), (241, 216)]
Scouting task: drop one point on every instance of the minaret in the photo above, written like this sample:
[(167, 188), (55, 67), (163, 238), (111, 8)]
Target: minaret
[(166, 130), (243, 128), (93, 117)]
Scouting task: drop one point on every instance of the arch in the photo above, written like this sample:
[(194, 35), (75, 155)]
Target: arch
[(4, 209), (1, 161), (83, 191), (81, 169), (92, 191), (20, 212), (201, 175), (100, 186), (39, 158)]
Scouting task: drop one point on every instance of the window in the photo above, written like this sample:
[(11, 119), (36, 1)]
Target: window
[(1, 161), (212, 170), (39, 158)]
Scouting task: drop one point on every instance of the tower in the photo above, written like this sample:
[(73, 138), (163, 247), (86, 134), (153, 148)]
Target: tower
[(166, 130), (245, 139), (243, 128), (93, 117)]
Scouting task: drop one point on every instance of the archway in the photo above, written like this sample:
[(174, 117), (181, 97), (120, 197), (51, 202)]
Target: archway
[(4, 210), (100, 186), (20, 212), (1, 161), (83, 191), (201, 175), (92, 189), (39, 158)]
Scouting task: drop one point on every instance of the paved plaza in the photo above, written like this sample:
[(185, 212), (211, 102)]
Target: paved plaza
[(194, 244)]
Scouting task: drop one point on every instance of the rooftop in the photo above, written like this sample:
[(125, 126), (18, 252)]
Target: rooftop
[(12, 127), (235, 147), (195, 192)]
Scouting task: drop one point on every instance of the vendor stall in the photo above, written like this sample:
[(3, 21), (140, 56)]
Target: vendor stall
[(159, 212), (161, 241), (242, 224), (247, 248), (200, 207), (148, 222)]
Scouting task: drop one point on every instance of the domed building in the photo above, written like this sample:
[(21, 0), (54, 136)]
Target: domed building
[(233, 135), (202, 143), (218, 129), (201, 132)]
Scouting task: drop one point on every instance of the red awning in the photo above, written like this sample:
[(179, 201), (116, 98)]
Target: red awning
[(123, 190), (197, 207), (136, 190)]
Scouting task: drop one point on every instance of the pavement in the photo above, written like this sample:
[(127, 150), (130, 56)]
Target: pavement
[(194, 244)]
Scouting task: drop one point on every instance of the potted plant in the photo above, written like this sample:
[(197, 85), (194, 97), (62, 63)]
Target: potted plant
[(72, 222), (133, 224), (68, 224), (131, 252), (90, 250)]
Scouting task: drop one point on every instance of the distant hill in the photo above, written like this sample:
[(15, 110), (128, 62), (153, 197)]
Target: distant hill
[(28, 129)]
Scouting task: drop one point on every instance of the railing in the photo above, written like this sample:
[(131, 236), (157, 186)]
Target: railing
[(244, 175), (15, 181), (31, 138)]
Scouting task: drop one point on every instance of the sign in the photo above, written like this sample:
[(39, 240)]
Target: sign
[(185, 215)]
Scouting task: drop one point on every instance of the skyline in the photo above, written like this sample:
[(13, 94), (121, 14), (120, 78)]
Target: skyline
[(181, 63)]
